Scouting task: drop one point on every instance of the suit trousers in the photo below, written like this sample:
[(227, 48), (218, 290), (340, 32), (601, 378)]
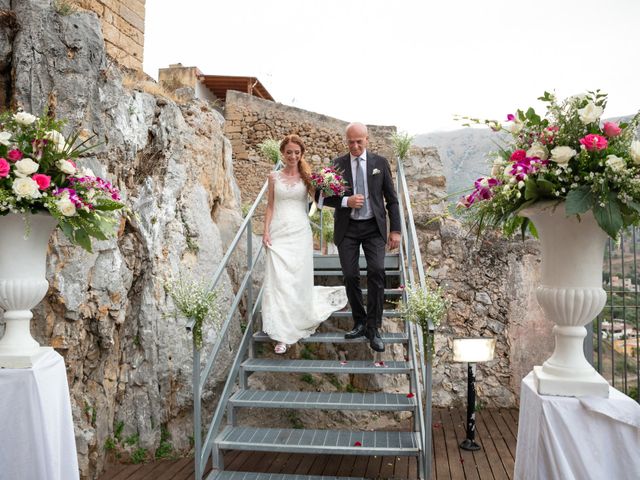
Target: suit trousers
[(367, 234)]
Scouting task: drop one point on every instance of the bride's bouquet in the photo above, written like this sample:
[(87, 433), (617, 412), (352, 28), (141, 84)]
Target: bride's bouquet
[(329, 181)]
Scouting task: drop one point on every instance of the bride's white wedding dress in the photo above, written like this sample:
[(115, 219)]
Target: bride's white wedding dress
[(292, 307)]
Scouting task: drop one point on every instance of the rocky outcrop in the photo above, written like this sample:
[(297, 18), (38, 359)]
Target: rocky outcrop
[(129, 361)]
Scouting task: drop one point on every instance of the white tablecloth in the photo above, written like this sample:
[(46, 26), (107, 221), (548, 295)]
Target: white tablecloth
[(577, 438), (36, 427)]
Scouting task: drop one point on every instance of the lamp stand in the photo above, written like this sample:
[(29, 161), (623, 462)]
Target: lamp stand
[(469, 442)]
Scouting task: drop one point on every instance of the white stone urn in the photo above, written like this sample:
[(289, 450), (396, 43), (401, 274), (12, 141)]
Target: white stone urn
[(571, 295), (23, 254)]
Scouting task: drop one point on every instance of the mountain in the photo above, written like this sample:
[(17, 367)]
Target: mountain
[(463, 153)]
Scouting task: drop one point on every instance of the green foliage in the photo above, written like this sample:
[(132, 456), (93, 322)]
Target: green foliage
[(165, 449), (401, 142), (139, 455), (193, 299), (308, 378), (270, 149), (295, 420), (64, 8), (117, 431), (133, 439), (327, 224), (110, 444)]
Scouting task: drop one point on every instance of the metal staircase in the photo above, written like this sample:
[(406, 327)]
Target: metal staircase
[(224, 432)]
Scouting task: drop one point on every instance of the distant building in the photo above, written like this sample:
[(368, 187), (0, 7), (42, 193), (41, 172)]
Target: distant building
[(210, 87)]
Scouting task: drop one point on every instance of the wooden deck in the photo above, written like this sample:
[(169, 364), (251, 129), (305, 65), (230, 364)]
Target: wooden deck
[(496, 432)]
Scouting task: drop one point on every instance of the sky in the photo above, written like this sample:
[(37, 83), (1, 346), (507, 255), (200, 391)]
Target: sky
[(415, 64)]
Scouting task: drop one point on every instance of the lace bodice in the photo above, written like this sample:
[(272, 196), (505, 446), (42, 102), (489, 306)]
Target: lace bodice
[(290, 200)]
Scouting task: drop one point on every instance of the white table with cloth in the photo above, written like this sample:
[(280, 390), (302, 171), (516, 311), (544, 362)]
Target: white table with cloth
[(582, 438), (36, 427)]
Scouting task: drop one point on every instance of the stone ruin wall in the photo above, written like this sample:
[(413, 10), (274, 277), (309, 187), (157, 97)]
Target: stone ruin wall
[(251, 120), (122, 24)]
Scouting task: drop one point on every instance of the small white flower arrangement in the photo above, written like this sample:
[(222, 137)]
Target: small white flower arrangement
[(193, 299)]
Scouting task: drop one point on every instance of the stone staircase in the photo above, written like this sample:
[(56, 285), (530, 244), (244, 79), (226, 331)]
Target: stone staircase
[(313, 441)]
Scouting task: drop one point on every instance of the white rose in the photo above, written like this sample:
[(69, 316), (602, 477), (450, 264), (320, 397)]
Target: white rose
[(615, 163), (4, 138), (515, 127), (26, 187), (66, 166), (562, 155), (24, 118), (538, 150), (66, 206), (497, 166), (25, 167), (634, 151), (57, 138), (590, 113)]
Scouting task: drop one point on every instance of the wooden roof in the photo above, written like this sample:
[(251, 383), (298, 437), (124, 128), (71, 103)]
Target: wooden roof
[(219, 85)]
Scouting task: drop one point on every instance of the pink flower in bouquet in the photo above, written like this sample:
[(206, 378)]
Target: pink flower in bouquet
[(4, 168), (594, 142), (14, 155), (42, 180), (611, 129), (329, 181)]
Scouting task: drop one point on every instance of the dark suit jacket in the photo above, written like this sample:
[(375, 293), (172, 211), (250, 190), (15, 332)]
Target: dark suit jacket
[(381, 189)]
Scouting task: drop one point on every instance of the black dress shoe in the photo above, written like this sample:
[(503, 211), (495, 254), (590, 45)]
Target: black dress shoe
[(375, 342), (357, 332)]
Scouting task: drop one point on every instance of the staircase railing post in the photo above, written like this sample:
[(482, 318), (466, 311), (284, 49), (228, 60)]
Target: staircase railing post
[(197, 413)]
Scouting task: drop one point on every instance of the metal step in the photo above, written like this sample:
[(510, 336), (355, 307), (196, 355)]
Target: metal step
[(323, 366), (385, 313), (332, 262), (363, 273), (271, 476), (324, 400), (338, 337), (339, 442)]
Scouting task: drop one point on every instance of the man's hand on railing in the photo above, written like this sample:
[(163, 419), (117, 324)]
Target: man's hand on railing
[(394, 240)]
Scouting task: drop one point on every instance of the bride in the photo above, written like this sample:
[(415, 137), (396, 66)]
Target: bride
[(292, 307)]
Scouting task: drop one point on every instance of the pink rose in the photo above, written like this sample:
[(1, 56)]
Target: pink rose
[(611, 129), (594, 142), (42, 180), (518, 156), (4, 168), (14, 155)]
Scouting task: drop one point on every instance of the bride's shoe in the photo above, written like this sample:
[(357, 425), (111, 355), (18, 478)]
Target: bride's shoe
[(281, 348)]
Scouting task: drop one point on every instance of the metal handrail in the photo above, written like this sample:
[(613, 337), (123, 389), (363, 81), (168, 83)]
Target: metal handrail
[(201, 375), (412, 259)]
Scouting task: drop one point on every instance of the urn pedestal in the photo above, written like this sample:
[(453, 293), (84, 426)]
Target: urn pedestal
[(23, 284), (571, 295)]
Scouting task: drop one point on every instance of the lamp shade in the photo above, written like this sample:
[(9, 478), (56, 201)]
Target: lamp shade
[(473, 349)]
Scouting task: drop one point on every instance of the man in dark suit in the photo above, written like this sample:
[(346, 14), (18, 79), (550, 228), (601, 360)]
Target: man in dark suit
[(361, 220)]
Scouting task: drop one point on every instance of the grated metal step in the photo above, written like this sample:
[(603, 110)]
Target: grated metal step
[(363, 273), (337, 442), (332, 262), (324, 366), (338, 337), (271, 476), (324, 400), (385, 313)]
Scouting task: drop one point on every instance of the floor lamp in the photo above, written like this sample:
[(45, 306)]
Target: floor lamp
[(472, 350)]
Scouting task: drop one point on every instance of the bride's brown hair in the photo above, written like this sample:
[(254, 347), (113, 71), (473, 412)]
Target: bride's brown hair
[(303, 167)]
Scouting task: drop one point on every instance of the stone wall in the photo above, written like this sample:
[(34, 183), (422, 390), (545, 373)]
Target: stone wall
[(128, 358), (251, 120), (490, 285), (122, 24)]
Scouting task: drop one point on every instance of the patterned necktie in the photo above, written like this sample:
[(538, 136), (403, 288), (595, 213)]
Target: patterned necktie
[(360, 186)]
